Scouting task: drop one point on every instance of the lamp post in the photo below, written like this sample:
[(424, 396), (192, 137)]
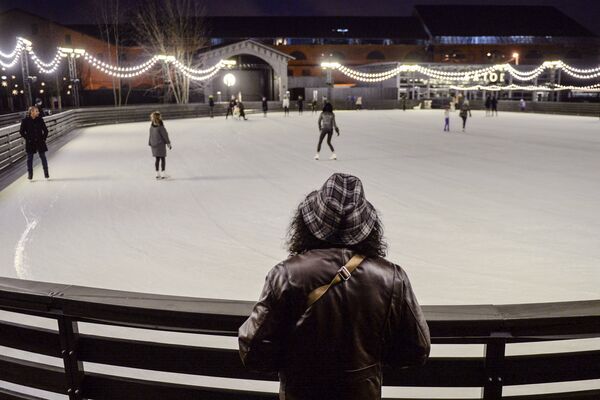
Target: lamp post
[(72, 55), (25, 72), (515, 57), (329, 66), (229, 81)]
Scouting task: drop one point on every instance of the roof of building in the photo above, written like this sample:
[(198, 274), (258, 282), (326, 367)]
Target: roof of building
[(316, 27), (492, 20)]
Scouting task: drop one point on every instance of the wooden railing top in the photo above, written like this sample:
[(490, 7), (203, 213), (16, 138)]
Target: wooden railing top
[(223, 317)]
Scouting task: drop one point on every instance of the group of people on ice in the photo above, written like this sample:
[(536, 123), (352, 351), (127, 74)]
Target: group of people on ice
[(464, 113)]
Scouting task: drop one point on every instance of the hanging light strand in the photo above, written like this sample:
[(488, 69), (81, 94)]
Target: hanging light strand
[(195, 77), (16, 51), (47, 68), (117, 69)]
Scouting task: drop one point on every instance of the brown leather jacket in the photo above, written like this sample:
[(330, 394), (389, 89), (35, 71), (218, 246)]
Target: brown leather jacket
[(335, 348)]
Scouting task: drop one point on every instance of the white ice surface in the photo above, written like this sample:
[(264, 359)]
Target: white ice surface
[(507, 212)]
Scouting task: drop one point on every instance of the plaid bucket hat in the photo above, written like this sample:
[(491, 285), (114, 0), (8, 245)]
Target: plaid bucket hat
[(338, 212)]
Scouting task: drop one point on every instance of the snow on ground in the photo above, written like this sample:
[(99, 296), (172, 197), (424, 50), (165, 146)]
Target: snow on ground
[(507, 212)]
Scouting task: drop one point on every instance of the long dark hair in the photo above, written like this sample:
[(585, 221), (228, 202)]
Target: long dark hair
[(328, 108), (301, 239)]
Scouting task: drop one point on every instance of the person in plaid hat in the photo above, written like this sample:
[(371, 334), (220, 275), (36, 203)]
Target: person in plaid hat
[(333, 313)]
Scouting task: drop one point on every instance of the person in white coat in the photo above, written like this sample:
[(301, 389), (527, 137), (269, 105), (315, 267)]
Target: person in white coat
[(286, 104)]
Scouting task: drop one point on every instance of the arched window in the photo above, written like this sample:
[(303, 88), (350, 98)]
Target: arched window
[(298, 55), (375, 55)]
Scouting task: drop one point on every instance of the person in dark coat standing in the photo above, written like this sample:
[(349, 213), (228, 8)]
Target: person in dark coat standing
[(242, 112), (465, 111), (265, 106), (494, 104), (211, 106), (330, 342), (159, 141), (488, 105), (300, 105), (34, 131)]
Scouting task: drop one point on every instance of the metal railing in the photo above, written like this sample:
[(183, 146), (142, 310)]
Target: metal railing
[(493, 326)]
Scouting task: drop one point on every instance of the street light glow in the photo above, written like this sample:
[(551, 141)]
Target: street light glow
[(229, 80)]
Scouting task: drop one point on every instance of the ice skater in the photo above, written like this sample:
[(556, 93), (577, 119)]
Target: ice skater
[(326, 126), (265, 106), (300, 105), (447, 119), (242, 113), (34, 131), (286, 104), (494, 104), (465, 111), (522, 104), (358, 103), (211, 106), (159, 141), (230, 107), (313, 106), (488, 105)]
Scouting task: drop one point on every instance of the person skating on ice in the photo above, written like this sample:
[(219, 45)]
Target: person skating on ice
[(211, 106), (286, 104), (230, 107), (159, 141), (265, 106), (488, 105), (34, 131), (326, 126), (300, 105), (242, 113), (494, 104), (313, 106), (447, 118), (465, 111)]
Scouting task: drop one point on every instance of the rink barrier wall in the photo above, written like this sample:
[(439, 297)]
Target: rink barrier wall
[(12, 146), (66, 306)]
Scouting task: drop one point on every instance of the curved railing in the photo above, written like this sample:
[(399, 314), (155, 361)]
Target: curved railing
[(494, 326)]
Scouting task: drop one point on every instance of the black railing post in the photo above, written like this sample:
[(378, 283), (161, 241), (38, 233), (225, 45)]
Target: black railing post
[(495, 350), (69, 334)]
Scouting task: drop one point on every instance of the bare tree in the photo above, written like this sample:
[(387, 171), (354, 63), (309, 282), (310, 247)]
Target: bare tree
[(108, 14), (176, 28)]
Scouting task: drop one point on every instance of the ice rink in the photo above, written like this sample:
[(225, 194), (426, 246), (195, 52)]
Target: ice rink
[(507, 212)]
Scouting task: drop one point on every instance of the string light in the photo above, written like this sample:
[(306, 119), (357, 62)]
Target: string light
[(135, 68), (496, 88), (465, 75), (47, 68), (495, 72), (16, 51)]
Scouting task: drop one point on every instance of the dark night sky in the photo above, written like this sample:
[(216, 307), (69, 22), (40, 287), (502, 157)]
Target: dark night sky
[(586, 12)]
